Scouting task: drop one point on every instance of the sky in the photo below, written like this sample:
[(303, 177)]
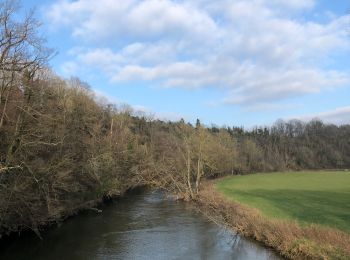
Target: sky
[(226, 62)]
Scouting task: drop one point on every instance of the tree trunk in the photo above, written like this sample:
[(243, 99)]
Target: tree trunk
[(189, 172)]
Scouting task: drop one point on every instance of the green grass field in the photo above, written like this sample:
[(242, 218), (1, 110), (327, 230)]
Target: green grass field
[(308, 197)]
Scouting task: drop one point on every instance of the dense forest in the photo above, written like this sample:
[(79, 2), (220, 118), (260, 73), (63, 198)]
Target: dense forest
[(62, 149)]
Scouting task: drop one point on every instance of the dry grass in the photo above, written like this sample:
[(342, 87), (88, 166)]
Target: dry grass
[(287, 238)]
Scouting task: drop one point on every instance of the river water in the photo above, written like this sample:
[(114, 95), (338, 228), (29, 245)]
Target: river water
[(139, 226)]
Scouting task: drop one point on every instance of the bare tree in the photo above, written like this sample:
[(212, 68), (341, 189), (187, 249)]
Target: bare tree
[(22, 51)]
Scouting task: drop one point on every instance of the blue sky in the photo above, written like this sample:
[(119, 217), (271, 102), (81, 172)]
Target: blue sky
[(225, 62)]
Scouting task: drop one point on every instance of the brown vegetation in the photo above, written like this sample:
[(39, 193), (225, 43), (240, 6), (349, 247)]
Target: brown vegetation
[(62, 149), (289, 239)]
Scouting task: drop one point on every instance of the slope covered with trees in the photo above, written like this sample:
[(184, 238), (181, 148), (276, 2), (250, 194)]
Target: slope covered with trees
[(61, 149)]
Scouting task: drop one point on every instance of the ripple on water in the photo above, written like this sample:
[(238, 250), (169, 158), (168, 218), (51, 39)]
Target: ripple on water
[(140, 226)]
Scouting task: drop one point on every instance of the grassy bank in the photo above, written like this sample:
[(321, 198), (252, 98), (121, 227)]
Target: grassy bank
[(307, 197), (287, 237)]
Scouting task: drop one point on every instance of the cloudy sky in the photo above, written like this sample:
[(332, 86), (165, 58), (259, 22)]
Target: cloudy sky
[(233, 62)]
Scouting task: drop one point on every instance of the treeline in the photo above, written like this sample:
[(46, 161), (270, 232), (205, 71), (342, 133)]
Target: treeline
[(298, 145), (61, 149)]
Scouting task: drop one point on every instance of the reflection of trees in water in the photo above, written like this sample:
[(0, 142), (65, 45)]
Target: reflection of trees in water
[(139, 226)]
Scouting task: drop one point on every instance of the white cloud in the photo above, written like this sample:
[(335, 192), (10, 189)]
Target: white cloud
[(257, 52), (106, 19), (260, 85), (336, 116)]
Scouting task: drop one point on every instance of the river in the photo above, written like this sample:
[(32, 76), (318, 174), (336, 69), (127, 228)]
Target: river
[(138, 226)]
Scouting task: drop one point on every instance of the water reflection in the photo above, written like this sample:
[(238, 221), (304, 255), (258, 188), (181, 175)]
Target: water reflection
[(140, 226)]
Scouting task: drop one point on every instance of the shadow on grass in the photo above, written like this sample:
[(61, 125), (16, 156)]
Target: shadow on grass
[(320, 207)]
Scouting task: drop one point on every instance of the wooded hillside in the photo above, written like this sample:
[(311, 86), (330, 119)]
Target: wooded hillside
[(62, 150)]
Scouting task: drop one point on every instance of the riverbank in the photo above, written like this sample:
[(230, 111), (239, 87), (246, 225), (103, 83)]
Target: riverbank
[(288, 238)]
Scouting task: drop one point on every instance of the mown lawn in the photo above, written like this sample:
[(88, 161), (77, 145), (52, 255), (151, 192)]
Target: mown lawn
[(308, 197)]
